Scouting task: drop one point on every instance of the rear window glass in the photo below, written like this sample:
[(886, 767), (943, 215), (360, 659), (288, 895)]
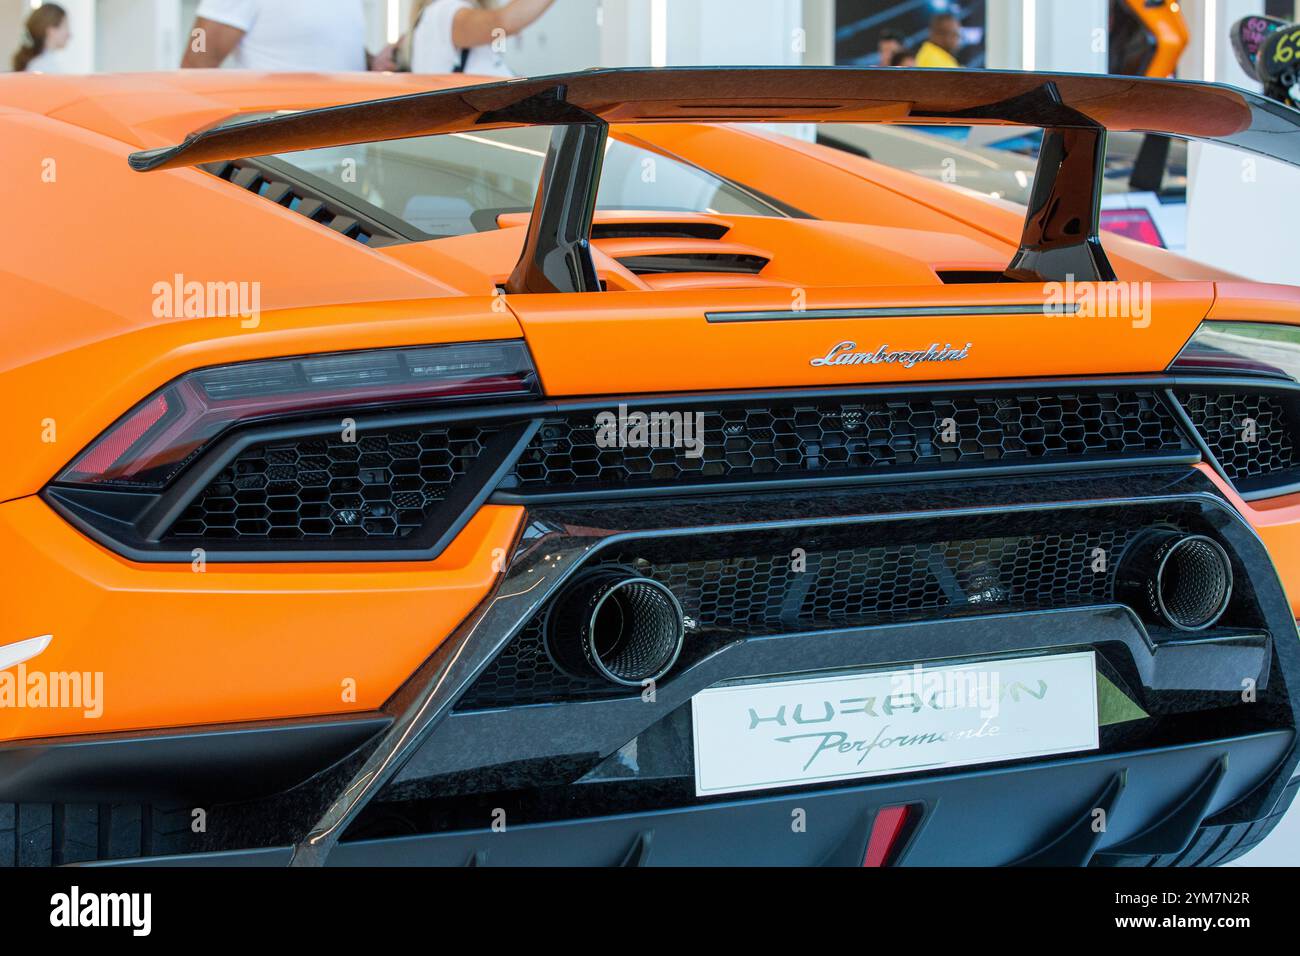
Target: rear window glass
[(458, 183)]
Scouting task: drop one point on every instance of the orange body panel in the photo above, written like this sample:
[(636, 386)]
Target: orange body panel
[(662, 341), (235, 642), (1256, 302)]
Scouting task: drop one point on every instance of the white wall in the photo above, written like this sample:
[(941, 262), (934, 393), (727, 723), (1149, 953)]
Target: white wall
[(135, 35), (1235, 200), (1063, 36), (694, 33), (1209, 52), (819, 30), (625, 32), (12, 14), (79, 55), (734, 32), (566, 37)]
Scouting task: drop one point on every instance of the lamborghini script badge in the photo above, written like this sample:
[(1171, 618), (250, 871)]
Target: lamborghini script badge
[(846, 353)]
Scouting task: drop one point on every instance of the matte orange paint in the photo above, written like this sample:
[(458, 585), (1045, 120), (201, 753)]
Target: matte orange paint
[(644, 342), (177, 647)]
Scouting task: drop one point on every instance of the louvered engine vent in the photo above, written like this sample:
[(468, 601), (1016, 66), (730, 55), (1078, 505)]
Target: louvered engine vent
[(294, 196)]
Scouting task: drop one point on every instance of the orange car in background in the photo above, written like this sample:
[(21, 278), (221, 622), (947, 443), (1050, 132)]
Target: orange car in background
[(1147, 37), (387, 452)]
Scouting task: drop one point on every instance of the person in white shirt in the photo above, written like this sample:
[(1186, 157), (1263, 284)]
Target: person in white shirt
[(46, 33), (316, 36), (460, 36)]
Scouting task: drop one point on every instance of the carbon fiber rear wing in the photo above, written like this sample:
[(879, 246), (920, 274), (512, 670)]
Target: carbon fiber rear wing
[(1060, 234)]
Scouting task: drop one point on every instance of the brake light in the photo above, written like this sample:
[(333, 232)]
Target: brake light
[(886, 829), (152, 442), (1134, 223), (132, 428)]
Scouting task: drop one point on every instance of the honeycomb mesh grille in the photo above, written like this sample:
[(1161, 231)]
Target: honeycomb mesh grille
[(801, 438), (381, 486), (752, 595), (1248, 433)]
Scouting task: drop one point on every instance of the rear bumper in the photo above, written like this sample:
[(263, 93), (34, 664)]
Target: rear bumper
[(1156, 803), (555, 758)]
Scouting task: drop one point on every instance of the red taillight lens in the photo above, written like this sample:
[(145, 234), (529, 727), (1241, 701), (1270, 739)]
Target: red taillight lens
[(886, 829), (149, 445), (1134, 223), (112, 446)]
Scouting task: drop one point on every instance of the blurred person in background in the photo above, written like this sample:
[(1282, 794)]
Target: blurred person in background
[(457, 36), (45, 34), (940, 50), (319, 36), (903, 57), (888, 45)]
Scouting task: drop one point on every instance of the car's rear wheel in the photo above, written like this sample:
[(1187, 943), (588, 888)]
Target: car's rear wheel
[(45, 834)]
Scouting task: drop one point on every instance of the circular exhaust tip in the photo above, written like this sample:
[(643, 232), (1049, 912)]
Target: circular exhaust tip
[(1182, 580), (616, 626)]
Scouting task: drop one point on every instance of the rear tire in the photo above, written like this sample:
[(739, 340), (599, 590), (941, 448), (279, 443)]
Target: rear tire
[(51, 834)]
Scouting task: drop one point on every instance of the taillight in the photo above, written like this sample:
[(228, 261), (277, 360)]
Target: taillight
[(1266, 348), (150, 444), (1134, 223)]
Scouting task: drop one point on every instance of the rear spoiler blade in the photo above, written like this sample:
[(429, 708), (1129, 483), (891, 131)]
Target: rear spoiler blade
[(1076, 110)]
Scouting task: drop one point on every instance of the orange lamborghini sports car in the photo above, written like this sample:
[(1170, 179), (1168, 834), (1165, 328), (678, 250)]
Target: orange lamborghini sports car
[(577, 470)]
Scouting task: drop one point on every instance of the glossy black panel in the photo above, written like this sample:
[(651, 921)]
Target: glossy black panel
[(557, 254), (1060, 241), (231, 762)]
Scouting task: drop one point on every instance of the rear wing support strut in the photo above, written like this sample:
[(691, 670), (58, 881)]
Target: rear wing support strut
[(1060, 240), (557, 248)]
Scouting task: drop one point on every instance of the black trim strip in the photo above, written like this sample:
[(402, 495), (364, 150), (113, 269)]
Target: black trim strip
[(1180, 413), (813, 480)]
